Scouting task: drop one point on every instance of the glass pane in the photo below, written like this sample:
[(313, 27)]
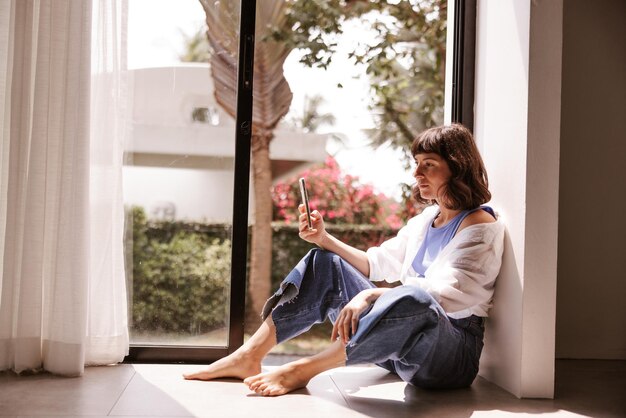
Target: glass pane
[(178, 174), (356, 108)]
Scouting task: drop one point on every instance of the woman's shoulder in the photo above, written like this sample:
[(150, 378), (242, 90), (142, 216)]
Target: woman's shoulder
[(477, 217)]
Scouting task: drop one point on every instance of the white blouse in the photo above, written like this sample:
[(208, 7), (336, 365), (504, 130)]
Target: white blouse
[(463, 275)]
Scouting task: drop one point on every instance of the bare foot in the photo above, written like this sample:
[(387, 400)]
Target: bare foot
[(238, 365), (284, 379)]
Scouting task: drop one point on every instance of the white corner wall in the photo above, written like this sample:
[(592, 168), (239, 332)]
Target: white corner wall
[(517, 125)]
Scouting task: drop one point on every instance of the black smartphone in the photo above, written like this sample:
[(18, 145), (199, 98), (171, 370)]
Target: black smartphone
[(305, 200)]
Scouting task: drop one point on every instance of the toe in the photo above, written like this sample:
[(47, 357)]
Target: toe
[(265, 389), (254, 386), (251, 380)]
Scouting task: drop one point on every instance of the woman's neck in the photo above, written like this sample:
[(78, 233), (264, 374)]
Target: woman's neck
[(445, 215)]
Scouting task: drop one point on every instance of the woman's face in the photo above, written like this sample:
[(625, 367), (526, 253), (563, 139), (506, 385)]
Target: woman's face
[(431, 173)]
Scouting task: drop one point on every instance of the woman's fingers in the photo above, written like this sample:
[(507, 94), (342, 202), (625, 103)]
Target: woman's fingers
[(303, 227), (345, 332), (335, 332), (355, 324), (338, 327), (307, 233), (315, 216), (304, 223), (345, 326)]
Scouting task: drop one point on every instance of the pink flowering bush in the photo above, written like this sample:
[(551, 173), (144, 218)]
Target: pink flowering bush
[(340, 198)]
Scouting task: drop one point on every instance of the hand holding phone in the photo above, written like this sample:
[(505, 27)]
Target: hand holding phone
[(305, 201)]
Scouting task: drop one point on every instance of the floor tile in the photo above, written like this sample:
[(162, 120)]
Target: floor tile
[(595, 388), (583, 389), (378, 393), (94, 393), (159, 390)]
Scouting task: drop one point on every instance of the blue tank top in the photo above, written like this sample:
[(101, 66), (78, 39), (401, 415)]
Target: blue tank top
[(437, 238)]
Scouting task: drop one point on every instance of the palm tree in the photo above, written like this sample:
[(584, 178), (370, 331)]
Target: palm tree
[(272, 99), (312, 119), (196, 47)]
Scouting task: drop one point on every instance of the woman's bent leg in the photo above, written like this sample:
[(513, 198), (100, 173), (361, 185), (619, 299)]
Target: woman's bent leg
[(408, 333), (317, 288), (320, 285), (245, 361)]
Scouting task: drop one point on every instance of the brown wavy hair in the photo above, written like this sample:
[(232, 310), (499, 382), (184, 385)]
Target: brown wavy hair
[(468, 186)]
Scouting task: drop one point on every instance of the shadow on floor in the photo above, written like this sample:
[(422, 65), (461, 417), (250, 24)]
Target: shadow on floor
[(585, 388)]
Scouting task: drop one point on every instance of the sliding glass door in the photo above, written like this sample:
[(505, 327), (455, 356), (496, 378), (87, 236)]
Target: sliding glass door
[(186, 178), (188, 164)]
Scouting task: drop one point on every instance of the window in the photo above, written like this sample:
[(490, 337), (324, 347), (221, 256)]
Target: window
[(361, 101), (183, 165)]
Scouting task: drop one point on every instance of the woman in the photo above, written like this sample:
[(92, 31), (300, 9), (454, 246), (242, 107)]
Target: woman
[(430, 329)]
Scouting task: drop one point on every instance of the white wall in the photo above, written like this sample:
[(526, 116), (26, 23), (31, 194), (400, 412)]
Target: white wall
[(199, 195), (517, 118), (173, 159), (591, 306)]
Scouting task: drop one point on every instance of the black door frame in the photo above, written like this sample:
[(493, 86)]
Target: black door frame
[(463, 62), (243, 134)]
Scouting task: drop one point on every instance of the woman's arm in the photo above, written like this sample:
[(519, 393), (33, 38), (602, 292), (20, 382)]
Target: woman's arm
[(320, 237), (354, 256)]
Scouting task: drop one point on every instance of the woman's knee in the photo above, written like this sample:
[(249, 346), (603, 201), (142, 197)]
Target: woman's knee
[(331, 270), (324, 261), (319, 268), (412, 300), (323, 257)]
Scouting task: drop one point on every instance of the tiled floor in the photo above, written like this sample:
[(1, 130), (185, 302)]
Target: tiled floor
[(584, 388)]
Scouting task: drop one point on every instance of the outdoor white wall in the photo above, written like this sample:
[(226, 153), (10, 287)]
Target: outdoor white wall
[(517, 119), (174, 159), (199, 195), (591, 307)]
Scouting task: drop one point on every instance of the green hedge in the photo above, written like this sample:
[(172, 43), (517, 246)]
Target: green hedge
[(181, 270), (180, 278)]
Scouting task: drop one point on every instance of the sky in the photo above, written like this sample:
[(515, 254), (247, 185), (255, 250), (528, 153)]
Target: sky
[(158, 40)]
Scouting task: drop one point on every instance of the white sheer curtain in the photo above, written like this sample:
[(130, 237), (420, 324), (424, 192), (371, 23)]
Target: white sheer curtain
[(62, 286), (107, 330)]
